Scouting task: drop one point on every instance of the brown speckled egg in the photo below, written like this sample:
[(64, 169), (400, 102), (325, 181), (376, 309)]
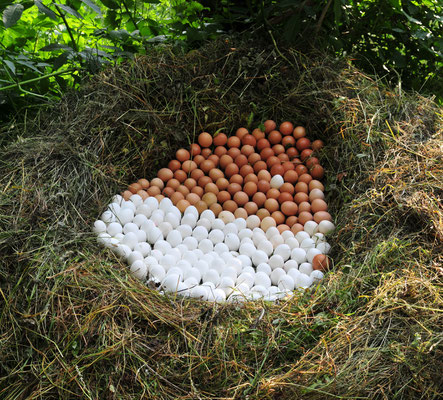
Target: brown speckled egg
[(278, 217), (225, 160), (222, 183), (320, 262), (182, 205), (240, 213), (263, 213), (236, 178), (201, 206), (176, 197), (216, 208), (209, 198), (127, 194), (230, 205), (297, 227)]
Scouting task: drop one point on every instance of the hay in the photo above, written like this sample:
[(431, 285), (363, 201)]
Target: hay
[(74, 324)]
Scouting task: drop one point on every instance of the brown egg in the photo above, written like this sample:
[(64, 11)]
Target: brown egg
[(267, 222), (266, 153), (301, 169), (316, 194), (220, 139), (205, 139), (198, 190), (212, 188), (197, 174), (203, 181), (241, 160), (271, 205), (318, 205), (278, 149), (190, 183), (192, 198), (206, 153), (269, 125), (299, 132), (301, 197), (215, 159), (287, 165), (322, 216), (234, 141), (304, 217), (305, 154), (296, 161), (283, 157), (167, 191), (216, 209), (263, 186), (272, 193), (259, 198), (209, 198), (277, 169), (317, 145), (183, 190), (233, 188), (220, 150), (248, 140), (311, 161), (231, 169), (182, 155), (260, 165), (317, 171), (222, 183), (234, 152), (240, 213), (241, 132), (288, 141), (173, 183), (262, 144), (290, 176), (241, 198), (188, 166), (285, 196), (303, 143), (236, 178), (159, 197), (253, 158), (182, 205), (296, 228), (223, 196), (264, 175), (304, 206), (176, 197), (135, 187), (195, 150), (144, 183), (174, 165), (143, 194), (291, 220), (215, 174), (315, 184), (301, 187), (262, 213), (180, 175), (251, 178), (201, 206), (198, 159), (250, 188), (154, 190), (157, 182), (289, 208), (258, 134), (230, 205), (292, 152), (272, 160), (251, 208), (306, 178), (206, 166), (274, 137), (321, 262), (279, 217), (127, 194), (247, 150), (286, 128), (246, 170), (282, 227), (225, 160)]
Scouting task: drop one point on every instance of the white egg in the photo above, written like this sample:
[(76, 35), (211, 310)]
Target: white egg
[(325, 227), (276, 275), (298, 255), (260, 290), (144, 210), (130, 240), (139, 219), (174, 238), (271, 232), (257, 238), (165, 205), (192, 272), (136, 199), (171, 282), (154, 235), (294, 273), (290, 264), (276, 261), (174, 270), (147, 226), (246, 278), (283, 250), (209, 285), (245, 260), (99, 226), (262, 279), (221, 248), (245, 233), (141, 236), (229, 272), (286, 283), (305, 268), (236, 264), (218, 224), (198, 253), (310, 227), (167, 261), (226, 217), (247, 249), (287, 234), (111, 243), (202, 266), (240, 223), (191, 210), (182, 248), (317, 275), (135, 256), (189, 219), (276, 241), (157, 254), (165, 228), (175, 253), (264, 267), (151, 202), (130, 227), (266, 246), (128, 205), (246, 240), (200, 233), (302, 235), (307, 244), (324, 247), (206, 246), (190, 242), (117, 199), (216, 236), (227, 282), (114, 228), (163, 246), (277, 181), (212, 276), (191, 282), (157, 272), (218, 264), (114, 208), (232, 241), (172, 219), (253, 222), (122, 250), (157, 217), (230, 228), (318, 237), (219, 295), (185, 230), (303, 281), (199, 292), (259, 257), (205, 222), (107, 217), (150, 261), (103, 238), (190, 256), (139, 270), (311, 253), (119, 236), (209, 215), (292, 243)]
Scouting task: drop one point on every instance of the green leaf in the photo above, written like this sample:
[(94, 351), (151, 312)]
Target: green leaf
[(55, 46), (45, 10), (12, 14), (112, 4), (337, 11), (10, 65), (69, 10), (92, 5)]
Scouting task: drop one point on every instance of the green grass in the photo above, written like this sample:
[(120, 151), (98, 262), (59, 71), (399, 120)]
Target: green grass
[(74, 324)]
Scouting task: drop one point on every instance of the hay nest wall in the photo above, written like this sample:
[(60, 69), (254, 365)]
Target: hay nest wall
[(73, 323)]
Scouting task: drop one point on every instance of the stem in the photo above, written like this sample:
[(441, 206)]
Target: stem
[(36, 79), (130, 15), (74, 43)]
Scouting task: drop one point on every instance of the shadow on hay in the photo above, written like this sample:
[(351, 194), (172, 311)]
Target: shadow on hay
[(74, 324)]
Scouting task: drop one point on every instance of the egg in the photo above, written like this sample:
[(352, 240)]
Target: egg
[(321, 262), (277, 181)]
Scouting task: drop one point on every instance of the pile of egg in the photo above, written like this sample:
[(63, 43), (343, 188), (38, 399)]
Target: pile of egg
[(226, 223)]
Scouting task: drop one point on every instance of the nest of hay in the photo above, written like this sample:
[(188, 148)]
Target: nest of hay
[(73, 323)]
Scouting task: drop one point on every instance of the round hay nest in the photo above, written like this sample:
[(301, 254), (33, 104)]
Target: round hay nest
[(75, 324)]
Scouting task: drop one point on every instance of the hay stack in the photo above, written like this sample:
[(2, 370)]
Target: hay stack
[(74, 324)]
